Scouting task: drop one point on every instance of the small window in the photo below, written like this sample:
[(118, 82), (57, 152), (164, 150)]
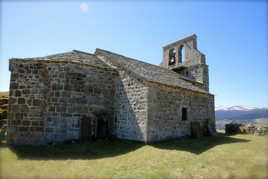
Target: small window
[(184, 114)]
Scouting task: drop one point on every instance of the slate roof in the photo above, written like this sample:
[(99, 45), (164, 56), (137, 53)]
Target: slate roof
[(72, 57), (148, 71), (109, 60)]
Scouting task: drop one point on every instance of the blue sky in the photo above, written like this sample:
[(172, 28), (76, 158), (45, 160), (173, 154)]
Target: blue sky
[(232, 35)]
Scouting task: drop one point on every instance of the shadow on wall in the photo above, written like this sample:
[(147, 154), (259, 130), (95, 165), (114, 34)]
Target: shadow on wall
[(130, 111), (110, 148)]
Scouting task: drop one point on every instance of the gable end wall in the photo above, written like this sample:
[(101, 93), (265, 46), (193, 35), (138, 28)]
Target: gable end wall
[(164, 112), (48, 99)]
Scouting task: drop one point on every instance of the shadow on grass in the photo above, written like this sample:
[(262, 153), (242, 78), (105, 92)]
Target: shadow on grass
[(105, 148), (198, 146), (79, 151)]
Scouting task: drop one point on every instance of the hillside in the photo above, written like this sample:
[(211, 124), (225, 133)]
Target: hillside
[(4, 93)]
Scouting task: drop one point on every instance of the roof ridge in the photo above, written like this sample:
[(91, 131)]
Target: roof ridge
[(129, 58), (47, 56), (193, 36), (42, 57), (79, 51), (112, 65)]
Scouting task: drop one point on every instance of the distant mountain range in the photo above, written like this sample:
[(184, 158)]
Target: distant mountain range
[(238, 108), (240, 114)]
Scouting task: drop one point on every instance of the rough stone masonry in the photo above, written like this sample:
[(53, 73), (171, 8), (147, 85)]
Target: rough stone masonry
[(78, 95)]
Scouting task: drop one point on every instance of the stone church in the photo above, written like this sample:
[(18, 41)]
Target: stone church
[(78, 95)]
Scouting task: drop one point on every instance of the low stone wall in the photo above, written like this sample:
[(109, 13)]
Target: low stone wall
[(231, 129)]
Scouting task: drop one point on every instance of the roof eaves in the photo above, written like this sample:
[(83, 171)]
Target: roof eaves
[(179, 87)]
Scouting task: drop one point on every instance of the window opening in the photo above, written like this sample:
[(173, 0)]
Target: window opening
[(184, 114), (172, 56)]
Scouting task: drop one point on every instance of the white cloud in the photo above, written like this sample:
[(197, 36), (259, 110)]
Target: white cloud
[(83, 7)]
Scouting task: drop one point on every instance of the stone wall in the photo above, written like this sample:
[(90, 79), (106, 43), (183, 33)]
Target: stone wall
[(130, 108), (239, 128), (165, 117), (48, 99), (27, 102), (76, 91), (198, 73)]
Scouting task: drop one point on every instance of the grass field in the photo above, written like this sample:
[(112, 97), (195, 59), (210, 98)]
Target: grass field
[(239, 156)]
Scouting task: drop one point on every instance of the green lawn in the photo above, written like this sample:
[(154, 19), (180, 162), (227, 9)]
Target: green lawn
[(239, 156)]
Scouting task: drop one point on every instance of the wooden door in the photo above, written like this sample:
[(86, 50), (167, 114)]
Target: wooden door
[(85, 129)]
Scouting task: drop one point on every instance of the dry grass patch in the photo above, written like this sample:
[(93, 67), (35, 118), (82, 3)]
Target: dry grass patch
[(4, 94)]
